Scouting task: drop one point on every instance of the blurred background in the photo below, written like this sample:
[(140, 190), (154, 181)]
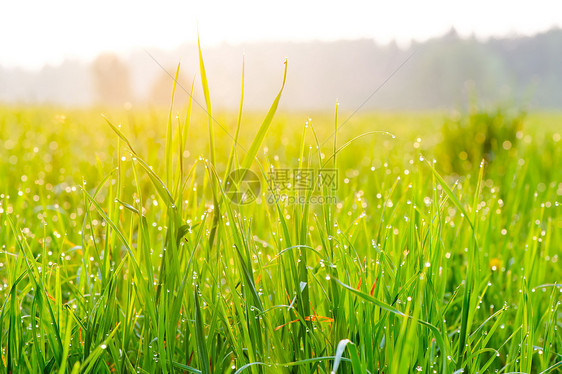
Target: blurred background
[(416, 55)]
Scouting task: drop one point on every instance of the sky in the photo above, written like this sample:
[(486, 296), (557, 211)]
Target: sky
[(37, 32)]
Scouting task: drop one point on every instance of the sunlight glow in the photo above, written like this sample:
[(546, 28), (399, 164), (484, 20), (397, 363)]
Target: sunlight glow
[(36, 32)]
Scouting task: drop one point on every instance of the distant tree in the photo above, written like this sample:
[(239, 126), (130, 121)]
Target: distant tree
[(161, 90), (111, 80)]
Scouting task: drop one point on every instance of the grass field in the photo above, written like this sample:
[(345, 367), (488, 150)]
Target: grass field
[(123, 250)]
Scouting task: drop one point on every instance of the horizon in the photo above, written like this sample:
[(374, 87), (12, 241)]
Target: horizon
[(404, 46), (498, 70), (48, 41)]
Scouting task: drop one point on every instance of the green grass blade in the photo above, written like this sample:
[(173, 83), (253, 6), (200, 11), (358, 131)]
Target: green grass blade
[(169, 133), (231, 157), (207, 95), (355, 363), (200, 335), (258, 139)]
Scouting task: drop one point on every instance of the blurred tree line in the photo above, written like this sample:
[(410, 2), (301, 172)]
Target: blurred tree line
[(440, 73)]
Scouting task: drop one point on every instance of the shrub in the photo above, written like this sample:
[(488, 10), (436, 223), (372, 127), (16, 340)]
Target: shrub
[(479, 135)]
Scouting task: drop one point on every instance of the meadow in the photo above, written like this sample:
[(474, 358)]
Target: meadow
[(432, 245)]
